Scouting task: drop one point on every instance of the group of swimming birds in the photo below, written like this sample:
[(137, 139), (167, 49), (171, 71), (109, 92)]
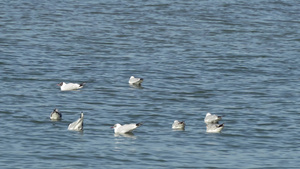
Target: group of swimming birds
[(211, 120)]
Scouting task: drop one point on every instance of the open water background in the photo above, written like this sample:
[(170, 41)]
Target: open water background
[(235, 58)]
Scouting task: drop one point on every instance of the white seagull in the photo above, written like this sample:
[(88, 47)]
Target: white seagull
[(135, 81), (212, 118), (214, 128), (70, 86), (126, 128), (77, 125), (55, 115), (178, 125)]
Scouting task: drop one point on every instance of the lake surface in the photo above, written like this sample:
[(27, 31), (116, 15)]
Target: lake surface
[(239, 59)]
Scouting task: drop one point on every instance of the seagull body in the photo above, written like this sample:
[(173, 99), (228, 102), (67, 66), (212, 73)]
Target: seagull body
[(55, 115), (212, 118), (135, 81), (178, 125), (214, 128), (77, 125), (126, 128), (70, 86)]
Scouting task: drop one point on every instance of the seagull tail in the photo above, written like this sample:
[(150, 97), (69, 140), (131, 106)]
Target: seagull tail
[(221, 125)]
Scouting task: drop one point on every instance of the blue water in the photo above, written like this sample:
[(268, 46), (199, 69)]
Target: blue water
[(239, 59)]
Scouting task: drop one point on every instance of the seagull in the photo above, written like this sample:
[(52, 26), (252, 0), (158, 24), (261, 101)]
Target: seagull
[(77, 125), (178, 125), (70, 86), (135, 81), (212, 118), (55, 115), (126, 128), (214, 128)]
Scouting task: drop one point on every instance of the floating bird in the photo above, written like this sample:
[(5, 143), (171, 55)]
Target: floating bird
[(70, 86), (178, 125), (214, 128), (135, 81), (55, 115), (77, 125), (126, 128), (212, 118)]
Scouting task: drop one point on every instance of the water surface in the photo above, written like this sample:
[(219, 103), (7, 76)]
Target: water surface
[(239, 59)]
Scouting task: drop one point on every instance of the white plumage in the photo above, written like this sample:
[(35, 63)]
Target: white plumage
[(126, 128), (77, 125), (70, 86), (214, 128), (178, 125), (212, 118), (135, 81), (55, 115)]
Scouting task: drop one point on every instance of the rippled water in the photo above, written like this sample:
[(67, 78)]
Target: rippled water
[(239, 59)]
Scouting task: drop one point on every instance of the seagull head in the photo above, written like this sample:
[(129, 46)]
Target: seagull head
[(116, 125), (60, 84)]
